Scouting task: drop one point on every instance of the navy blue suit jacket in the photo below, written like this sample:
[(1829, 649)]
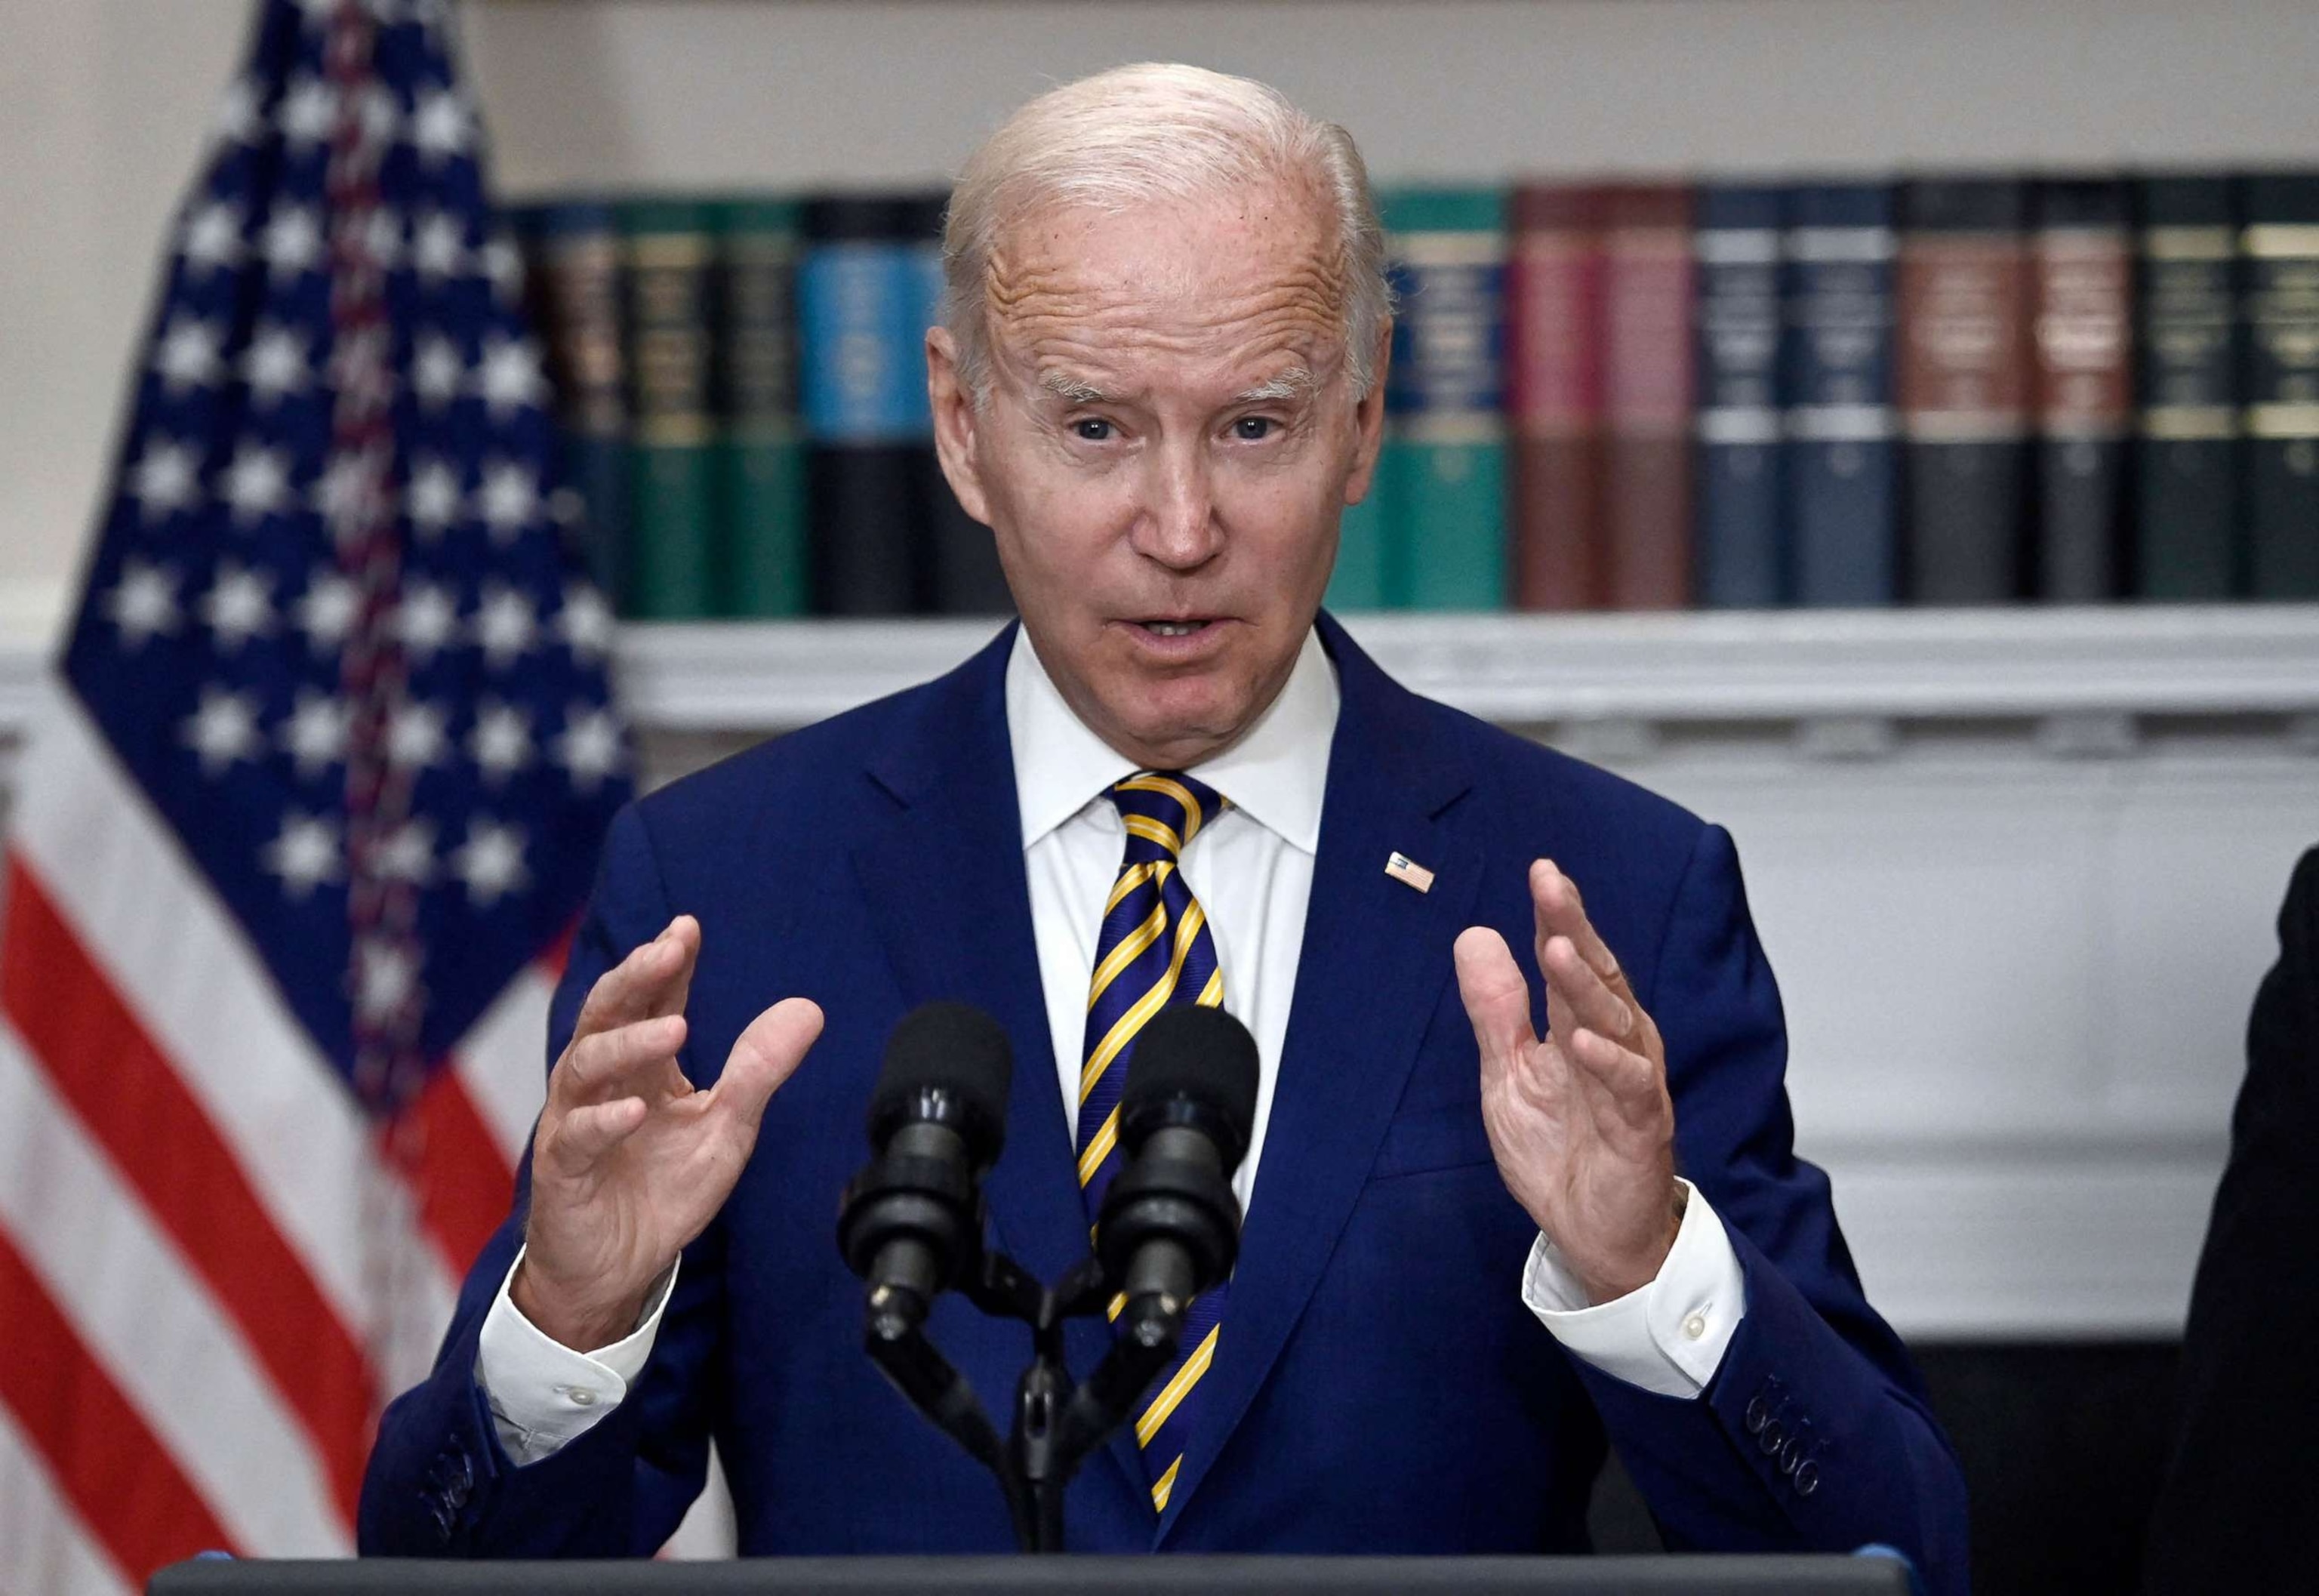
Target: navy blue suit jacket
[(1380, 1386)]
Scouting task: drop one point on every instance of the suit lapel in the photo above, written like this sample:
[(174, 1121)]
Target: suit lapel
[(1375, 956)]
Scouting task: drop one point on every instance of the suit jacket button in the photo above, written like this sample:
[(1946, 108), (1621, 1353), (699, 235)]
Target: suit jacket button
[(1769, 1440), (1807, 1477), (1790, 1454), (1758, 1415)]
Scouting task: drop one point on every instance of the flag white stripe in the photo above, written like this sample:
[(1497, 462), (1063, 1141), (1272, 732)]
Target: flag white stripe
[(502, 1060), (146, 916), (44, 1550), (153, 1325)]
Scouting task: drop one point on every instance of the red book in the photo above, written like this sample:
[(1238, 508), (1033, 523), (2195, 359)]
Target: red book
[(1648, 378), (1554, 381)]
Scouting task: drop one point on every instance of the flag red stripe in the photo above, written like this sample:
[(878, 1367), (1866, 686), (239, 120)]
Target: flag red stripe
[(97, 1058), (464, 1182), (101, 1454)]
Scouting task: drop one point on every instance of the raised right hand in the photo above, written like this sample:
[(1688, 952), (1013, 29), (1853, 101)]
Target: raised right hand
[(629, 1162)]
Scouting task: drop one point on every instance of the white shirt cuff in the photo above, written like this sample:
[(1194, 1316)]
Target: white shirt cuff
[(543, 1394), (1667, 1337)]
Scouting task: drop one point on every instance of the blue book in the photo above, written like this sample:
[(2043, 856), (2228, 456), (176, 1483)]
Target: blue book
[(1841, 462), (1738, 523)]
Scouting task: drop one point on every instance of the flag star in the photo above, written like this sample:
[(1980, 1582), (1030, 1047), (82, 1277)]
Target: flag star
[(258, 483), (359, 355), (187, 355), (432, 499), (424, 618), (436, 370), (505, 626), (501, 743), (143, 604), (489, 862), (414, 735), (408, 853), (585, 623), (386, 977), (222, 729), (348, 492), (508, 377), (439, 247), (309, 113), (382, 117), (164, 479), (275, 366), (588, 747), (304, 855), (502, 264), (213, 239), (326, 610), (439, 125), (292, 242), (508, 498), (238, 606), (314, 732), (236, 119), (384, 237)]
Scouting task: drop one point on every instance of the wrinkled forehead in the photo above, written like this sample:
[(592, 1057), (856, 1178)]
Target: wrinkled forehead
[(1252, 274)]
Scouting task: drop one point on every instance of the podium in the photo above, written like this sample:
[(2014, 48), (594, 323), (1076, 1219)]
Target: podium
[(1174, 1575)]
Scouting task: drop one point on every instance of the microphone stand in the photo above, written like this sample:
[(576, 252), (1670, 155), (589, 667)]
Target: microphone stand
[(1058, 1421)]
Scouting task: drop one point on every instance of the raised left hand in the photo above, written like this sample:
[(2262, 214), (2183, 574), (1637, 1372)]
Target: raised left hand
[(1580, 1120)]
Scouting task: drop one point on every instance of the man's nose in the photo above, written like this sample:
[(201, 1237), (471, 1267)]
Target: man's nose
[(1178, 525)]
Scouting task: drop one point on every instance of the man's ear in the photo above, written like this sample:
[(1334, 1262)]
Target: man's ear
[(954, 423), (1368, 423)]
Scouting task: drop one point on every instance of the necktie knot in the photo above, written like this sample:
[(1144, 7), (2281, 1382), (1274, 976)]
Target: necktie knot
[(1164, 811)]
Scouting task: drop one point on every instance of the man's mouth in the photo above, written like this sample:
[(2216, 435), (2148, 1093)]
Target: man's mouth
[(1173, 628)]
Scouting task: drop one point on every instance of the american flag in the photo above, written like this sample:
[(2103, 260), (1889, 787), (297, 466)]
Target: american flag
[(299, 839)]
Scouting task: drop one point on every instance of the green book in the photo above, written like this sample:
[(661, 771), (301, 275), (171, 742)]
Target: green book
[(1441, 480), (762, 562), (1359, 582), (666, 254)]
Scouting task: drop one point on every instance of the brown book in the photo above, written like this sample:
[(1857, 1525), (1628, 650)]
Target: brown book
[(1648, 377), (1553, 391)]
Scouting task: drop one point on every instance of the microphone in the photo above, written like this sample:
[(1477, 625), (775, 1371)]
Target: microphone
[(910, 1225), (1170, 1227)]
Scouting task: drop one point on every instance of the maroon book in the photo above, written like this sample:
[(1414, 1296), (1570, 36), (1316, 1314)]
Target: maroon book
[(1647, 379), (1553, 391)]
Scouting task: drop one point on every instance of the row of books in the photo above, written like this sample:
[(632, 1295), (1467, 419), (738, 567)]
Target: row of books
[(1946, 390)]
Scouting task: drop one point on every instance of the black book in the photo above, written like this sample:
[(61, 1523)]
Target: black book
[(962, 574), (2279, 263), (2186, 395), (1964, 388), (2081, 268)]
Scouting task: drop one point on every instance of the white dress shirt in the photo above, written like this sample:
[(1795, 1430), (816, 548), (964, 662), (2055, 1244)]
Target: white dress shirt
[(1251, 869)]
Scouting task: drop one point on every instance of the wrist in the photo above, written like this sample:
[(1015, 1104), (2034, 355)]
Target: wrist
[(1622, 1277), (585, 1322)]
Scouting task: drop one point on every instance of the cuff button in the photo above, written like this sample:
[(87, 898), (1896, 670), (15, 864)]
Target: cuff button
[(1807, 1477), (1758, 1415), (1695, 1326), (581, 1397)]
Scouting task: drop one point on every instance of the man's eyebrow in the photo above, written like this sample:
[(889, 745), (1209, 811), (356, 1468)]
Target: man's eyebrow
[(1073, 389), (1295, 382)]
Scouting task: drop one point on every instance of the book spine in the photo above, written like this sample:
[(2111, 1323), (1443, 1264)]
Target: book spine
[(1964, 389), (764, 557), (1555, 382), (2279, 263), (2187, 529), (2082, 271), (576, 283), (1839, 457), (963, 576), (1737, 528), (1443, 466), (1358, 580), (862, 398), (1647, 384), (666, 252)]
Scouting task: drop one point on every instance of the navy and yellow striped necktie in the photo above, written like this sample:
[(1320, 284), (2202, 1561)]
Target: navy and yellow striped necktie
[(1154, 949)]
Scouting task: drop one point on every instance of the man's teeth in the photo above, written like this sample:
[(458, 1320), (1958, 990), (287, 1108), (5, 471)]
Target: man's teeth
[(1174, 628)]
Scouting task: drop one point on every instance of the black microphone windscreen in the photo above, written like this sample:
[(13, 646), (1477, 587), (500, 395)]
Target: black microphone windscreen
[(1200, 1054), (956, 1052)]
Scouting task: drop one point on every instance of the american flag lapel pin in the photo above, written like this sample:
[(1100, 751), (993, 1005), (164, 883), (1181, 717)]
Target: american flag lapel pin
[(1406, 871)]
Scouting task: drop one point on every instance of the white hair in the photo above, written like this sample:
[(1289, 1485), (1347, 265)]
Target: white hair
[(1158, 132)]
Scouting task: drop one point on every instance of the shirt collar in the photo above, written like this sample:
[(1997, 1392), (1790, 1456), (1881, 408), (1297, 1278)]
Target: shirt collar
[(1278, 773)]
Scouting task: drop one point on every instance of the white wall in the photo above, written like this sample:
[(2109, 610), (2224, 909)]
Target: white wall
[(103, 104)]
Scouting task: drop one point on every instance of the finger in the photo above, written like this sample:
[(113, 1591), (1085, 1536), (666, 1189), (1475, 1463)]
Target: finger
[(637, 1060), (1576, 995), (1496, 998), (642, 985), (1561, 912), (1630, 1081), (767, 1054), (588, 1134)]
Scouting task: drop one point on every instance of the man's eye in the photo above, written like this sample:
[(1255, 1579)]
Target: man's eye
[(1091, 430), (1253, 428)]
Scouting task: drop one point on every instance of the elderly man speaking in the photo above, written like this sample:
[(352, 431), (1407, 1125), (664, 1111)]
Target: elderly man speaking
[(1475, 1245)]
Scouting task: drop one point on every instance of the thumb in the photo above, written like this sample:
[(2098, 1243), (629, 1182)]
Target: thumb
[(767, 1054), (1497, 1000)]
